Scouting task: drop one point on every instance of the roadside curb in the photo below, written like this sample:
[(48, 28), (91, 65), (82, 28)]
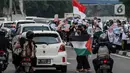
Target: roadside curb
[(123, 53)]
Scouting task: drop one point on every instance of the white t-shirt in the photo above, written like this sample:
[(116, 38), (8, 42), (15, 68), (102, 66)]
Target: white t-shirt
[(100, 25)]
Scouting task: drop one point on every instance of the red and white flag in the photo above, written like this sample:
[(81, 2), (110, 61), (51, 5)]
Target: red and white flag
[(79, 9)]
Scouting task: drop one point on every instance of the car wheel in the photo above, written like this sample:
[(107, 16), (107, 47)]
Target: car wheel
[(64, 69)]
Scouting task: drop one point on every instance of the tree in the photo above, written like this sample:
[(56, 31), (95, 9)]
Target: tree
[(47, 8), (1, 7)]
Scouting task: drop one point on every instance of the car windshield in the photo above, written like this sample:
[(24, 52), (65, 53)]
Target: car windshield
[(35, 28), (46, 39), (8, 25), (23, 23)]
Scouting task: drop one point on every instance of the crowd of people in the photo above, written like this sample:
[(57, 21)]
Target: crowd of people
[(94, 27), (117, 33), (80, 30)]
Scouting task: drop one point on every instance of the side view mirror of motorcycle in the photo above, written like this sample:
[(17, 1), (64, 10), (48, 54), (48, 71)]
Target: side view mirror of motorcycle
[(113, 46)]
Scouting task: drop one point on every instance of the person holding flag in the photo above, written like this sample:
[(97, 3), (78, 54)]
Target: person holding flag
[(81, 42)]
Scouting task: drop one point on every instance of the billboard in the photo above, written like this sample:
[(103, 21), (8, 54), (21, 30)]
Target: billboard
[(99, 1)]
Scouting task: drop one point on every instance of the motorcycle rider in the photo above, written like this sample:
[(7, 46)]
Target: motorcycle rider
[(96, 35), (27, 46), (4, 44), (102, 49)]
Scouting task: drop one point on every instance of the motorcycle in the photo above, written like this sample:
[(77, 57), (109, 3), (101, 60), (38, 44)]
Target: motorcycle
[(3, 62), (26, 66), (104, 65)]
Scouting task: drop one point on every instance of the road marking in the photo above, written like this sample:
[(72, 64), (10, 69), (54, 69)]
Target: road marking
[(47, 68), (121, 56)]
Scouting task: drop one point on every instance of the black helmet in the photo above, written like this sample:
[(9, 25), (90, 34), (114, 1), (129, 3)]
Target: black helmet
[(2, 32), (29, 34), (103, 38), (79, 27)]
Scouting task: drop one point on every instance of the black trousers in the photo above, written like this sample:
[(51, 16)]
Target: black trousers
[(96, 64), (16, 59), (127, 45), (118, 47), (82, 62)]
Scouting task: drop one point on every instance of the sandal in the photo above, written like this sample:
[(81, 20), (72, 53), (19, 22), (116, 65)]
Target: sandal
[(77, 71), (87, 70)]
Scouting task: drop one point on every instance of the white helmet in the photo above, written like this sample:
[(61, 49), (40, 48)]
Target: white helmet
[(24, 34)]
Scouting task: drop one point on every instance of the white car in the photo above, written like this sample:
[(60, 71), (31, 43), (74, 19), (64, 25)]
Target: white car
[(7, 24), (18, 22), (32, 26), (50, 51), (2, 19), (30, 17)]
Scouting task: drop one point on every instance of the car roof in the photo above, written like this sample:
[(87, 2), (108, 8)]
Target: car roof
[(31, 17), (24, 21), (50, 32), (34, 24), (8, 22)]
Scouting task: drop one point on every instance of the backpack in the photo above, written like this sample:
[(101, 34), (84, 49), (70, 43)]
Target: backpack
[(28, 49)]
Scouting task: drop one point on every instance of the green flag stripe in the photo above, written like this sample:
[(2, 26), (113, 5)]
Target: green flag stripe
[(82, 52)]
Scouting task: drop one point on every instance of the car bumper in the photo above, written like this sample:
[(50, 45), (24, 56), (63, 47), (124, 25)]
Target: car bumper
[(55, 60)]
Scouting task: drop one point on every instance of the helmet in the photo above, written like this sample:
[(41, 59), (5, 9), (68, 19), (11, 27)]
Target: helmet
[(2, 32), (102, 38), (29, 34), (79, 27), (23, 35)]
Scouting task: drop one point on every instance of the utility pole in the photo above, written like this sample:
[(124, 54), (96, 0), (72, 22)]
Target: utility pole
[(10, 9), (21, 6)]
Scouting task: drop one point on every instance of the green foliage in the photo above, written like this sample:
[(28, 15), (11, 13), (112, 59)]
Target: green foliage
[(127, 6), (47, 8), (1, 7)]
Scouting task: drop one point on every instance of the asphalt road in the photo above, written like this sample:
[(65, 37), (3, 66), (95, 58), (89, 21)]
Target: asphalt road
[(121, 65)]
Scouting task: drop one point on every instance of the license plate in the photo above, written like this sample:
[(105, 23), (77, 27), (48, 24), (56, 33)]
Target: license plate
[(26, 64), (2, 58), (44, 61), (104, 67)]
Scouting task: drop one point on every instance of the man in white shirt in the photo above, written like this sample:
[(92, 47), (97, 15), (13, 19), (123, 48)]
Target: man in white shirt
[(100, 24)]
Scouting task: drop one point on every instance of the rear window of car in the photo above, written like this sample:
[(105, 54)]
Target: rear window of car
[(46, 39), (35, 28), (8, 25)]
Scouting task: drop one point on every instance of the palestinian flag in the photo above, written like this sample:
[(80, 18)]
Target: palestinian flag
[(82, 45), (79, 9)]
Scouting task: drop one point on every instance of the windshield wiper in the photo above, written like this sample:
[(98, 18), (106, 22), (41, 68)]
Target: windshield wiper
[(42, 43), (45, 43)]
